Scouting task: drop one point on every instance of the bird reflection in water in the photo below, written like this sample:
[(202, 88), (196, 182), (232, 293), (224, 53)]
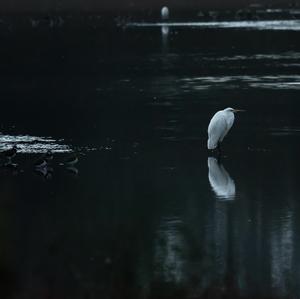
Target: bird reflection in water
[(165, 30), (221, 182)]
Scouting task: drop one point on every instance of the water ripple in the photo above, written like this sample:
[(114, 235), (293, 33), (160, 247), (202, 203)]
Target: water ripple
[(282, 56), (293, 25), (229, 82), (32, 144), (285, 131)]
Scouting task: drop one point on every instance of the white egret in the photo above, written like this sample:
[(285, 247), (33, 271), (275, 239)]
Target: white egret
[(220, 181), (219, 126)]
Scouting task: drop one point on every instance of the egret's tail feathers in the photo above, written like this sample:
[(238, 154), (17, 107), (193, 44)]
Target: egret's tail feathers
[(211, 145)]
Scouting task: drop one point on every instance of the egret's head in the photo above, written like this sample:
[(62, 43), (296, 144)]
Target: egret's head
[(234, 110)]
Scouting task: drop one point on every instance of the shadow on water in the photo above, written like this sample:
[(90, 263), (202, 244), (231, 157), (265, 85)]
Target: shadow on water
[(147, 213)]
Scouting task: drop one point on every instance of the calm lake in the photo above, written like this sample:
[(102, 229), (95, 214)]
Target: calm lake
[(148, 212)]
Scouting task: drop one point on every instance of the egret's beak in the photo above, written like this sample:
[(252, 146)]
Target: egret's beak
[(238, 110)]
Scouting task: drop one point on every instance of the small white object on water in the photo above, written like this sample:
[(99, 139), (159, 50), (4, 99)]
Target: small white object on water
[(165, 13)]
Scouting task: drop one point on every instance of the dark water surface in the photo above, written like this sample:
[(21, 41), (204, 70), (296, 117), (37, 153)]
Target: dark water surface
[(147, 212)]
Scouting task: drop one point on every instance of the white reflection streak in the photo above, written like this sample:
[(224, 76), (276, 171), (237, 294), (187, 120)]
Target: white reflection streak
[(168, 251), (293, 25), (220, 239), (165, 38), (282, 255), (221, 182)]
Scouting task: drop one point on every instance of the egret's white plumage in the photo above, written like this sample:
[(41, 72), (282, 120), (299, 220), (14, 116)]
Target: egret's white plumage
[(221, 182), (219, 126)]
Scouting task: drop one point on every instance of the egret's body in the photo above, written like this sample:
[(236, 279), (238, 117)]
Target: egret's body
[(219, 126)]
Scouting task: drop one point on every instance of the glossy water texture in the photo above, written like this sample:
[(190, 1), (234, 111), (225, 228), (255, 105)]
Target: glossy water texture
[(257, 25), (147, 212)]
